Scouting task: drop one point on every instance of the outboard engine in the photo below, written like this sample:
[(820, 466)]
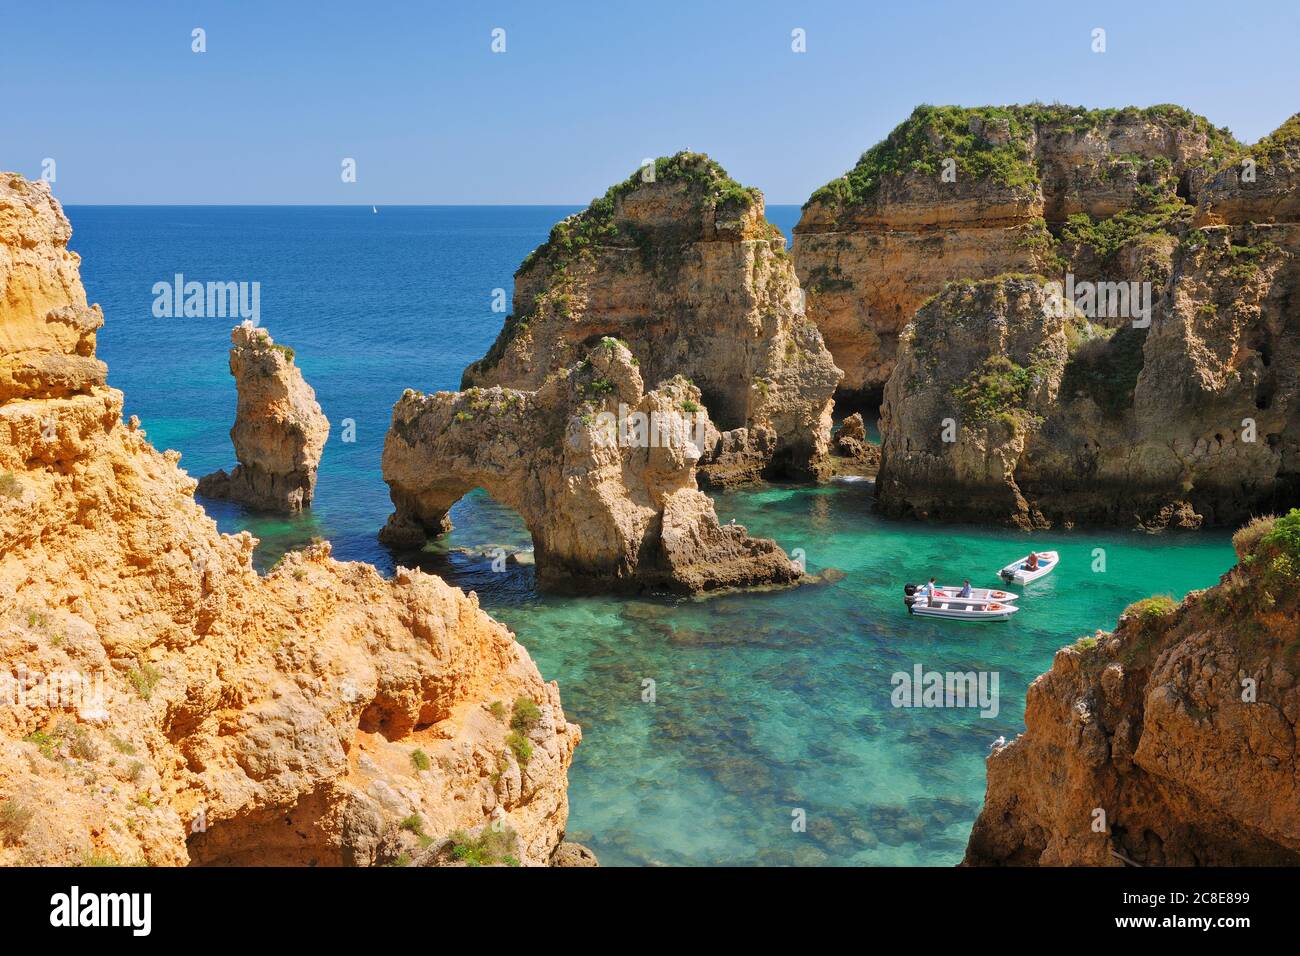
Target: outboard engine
[(909, 596)]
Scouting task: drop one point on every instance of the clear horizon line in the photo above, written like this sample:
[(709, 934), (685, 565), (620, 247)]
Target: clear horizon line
[(360, 205)]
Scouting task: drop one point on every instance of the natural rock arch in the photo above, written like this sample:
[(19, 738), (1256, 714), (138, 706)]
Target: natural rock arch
[(609, 504)]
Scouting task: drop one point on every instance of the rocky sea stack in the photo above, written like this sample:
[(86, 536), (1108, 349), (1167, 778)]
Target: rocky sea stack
[(1143, 370), (957, 193), (1172, 740), (279, 431), (679, 262), (174, 706), (602, 472)]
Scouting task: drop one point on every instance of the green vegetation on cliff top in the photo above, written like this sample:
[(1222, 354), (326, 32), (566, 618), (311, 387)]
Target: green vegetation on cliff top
[(1000, 151), (595, 224), (1280, 147)]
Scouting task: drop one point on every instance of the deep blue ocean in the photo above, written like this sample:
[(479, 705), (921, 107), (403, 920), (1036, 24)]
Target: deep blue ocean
[(766, 706)]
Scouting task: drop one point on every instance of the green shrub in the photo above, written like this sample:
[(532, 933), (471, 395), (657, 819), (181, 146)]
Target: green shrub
[(1151, 614), (285, 351), (690, 407), (14, 818), (10, 486), (498, 710), (420, 759), (490, 846), (144, 679), (998, 390), (526, 715), (1246, 539), (520, 745), (47, 744), (1280, 547)]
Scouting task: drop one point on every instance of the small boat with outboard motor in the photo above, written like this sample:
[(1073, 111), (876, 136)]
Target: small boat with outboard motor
[(976, 595), (955, 609), (1031, 567)]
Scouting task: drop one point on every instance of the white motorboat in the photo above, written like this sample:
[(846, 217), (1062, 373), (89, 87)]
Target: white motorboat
[(1020, 572), (976, 596), (954, 611)]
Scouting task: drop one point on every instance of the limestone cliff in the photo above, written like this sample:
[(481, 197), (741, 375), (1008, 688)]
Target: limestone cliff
[(967, 194), (601, 471), (279, 431), (171, 706), (1185, 416), (686, 270), (1169, 742), (976, 370)]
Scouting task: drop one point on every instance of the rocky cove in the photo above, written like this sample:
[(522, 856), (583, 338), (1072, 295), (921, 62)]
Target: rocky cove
[(674, 296)]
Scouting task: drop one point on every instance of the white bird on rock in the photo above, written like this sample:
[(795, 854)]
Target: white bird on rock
[(997, 745)]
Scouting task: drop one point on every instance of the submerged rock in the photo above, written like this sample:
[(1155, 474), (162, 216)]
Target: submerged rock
[(279, 431), (573, 854), (601, 471), (679, 262)]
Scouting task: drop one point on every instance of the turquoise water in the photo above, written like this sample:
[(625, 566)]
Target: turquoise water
[(764, 703)]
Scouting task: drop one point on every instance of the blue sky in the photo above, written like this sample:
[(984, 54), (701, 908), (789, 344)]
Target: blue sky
[(583, 92)]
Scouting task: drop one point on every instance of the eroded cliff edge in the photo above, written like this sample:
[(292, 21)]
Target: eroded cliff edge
[(1170, 741), (1184, 415), (171, 706), (958, 193), (679, 262)]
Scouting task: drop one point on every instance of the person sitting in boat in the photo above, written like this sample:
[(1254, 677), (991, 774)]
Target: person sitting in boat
[(965, 589), (1031, 562)]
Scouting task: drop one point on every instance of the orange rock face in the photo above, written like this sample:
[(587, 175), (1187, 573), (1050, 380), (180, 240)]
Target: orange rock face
[(874, 246), (1169, 742), (171, 705), (602, 472), (689, 274), (279, 432)]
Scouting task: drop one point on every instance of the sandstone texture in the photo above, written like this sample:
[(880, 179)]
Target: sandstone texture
[(689, 273), (1186, 418), (854, 452), (1168, 742), (279, 431), (609, 505), (169, 706), (967, 194)]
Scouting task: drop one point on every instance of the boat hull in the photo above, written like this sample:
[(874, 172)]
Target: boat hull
[(970, 613), (1016, 572)]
